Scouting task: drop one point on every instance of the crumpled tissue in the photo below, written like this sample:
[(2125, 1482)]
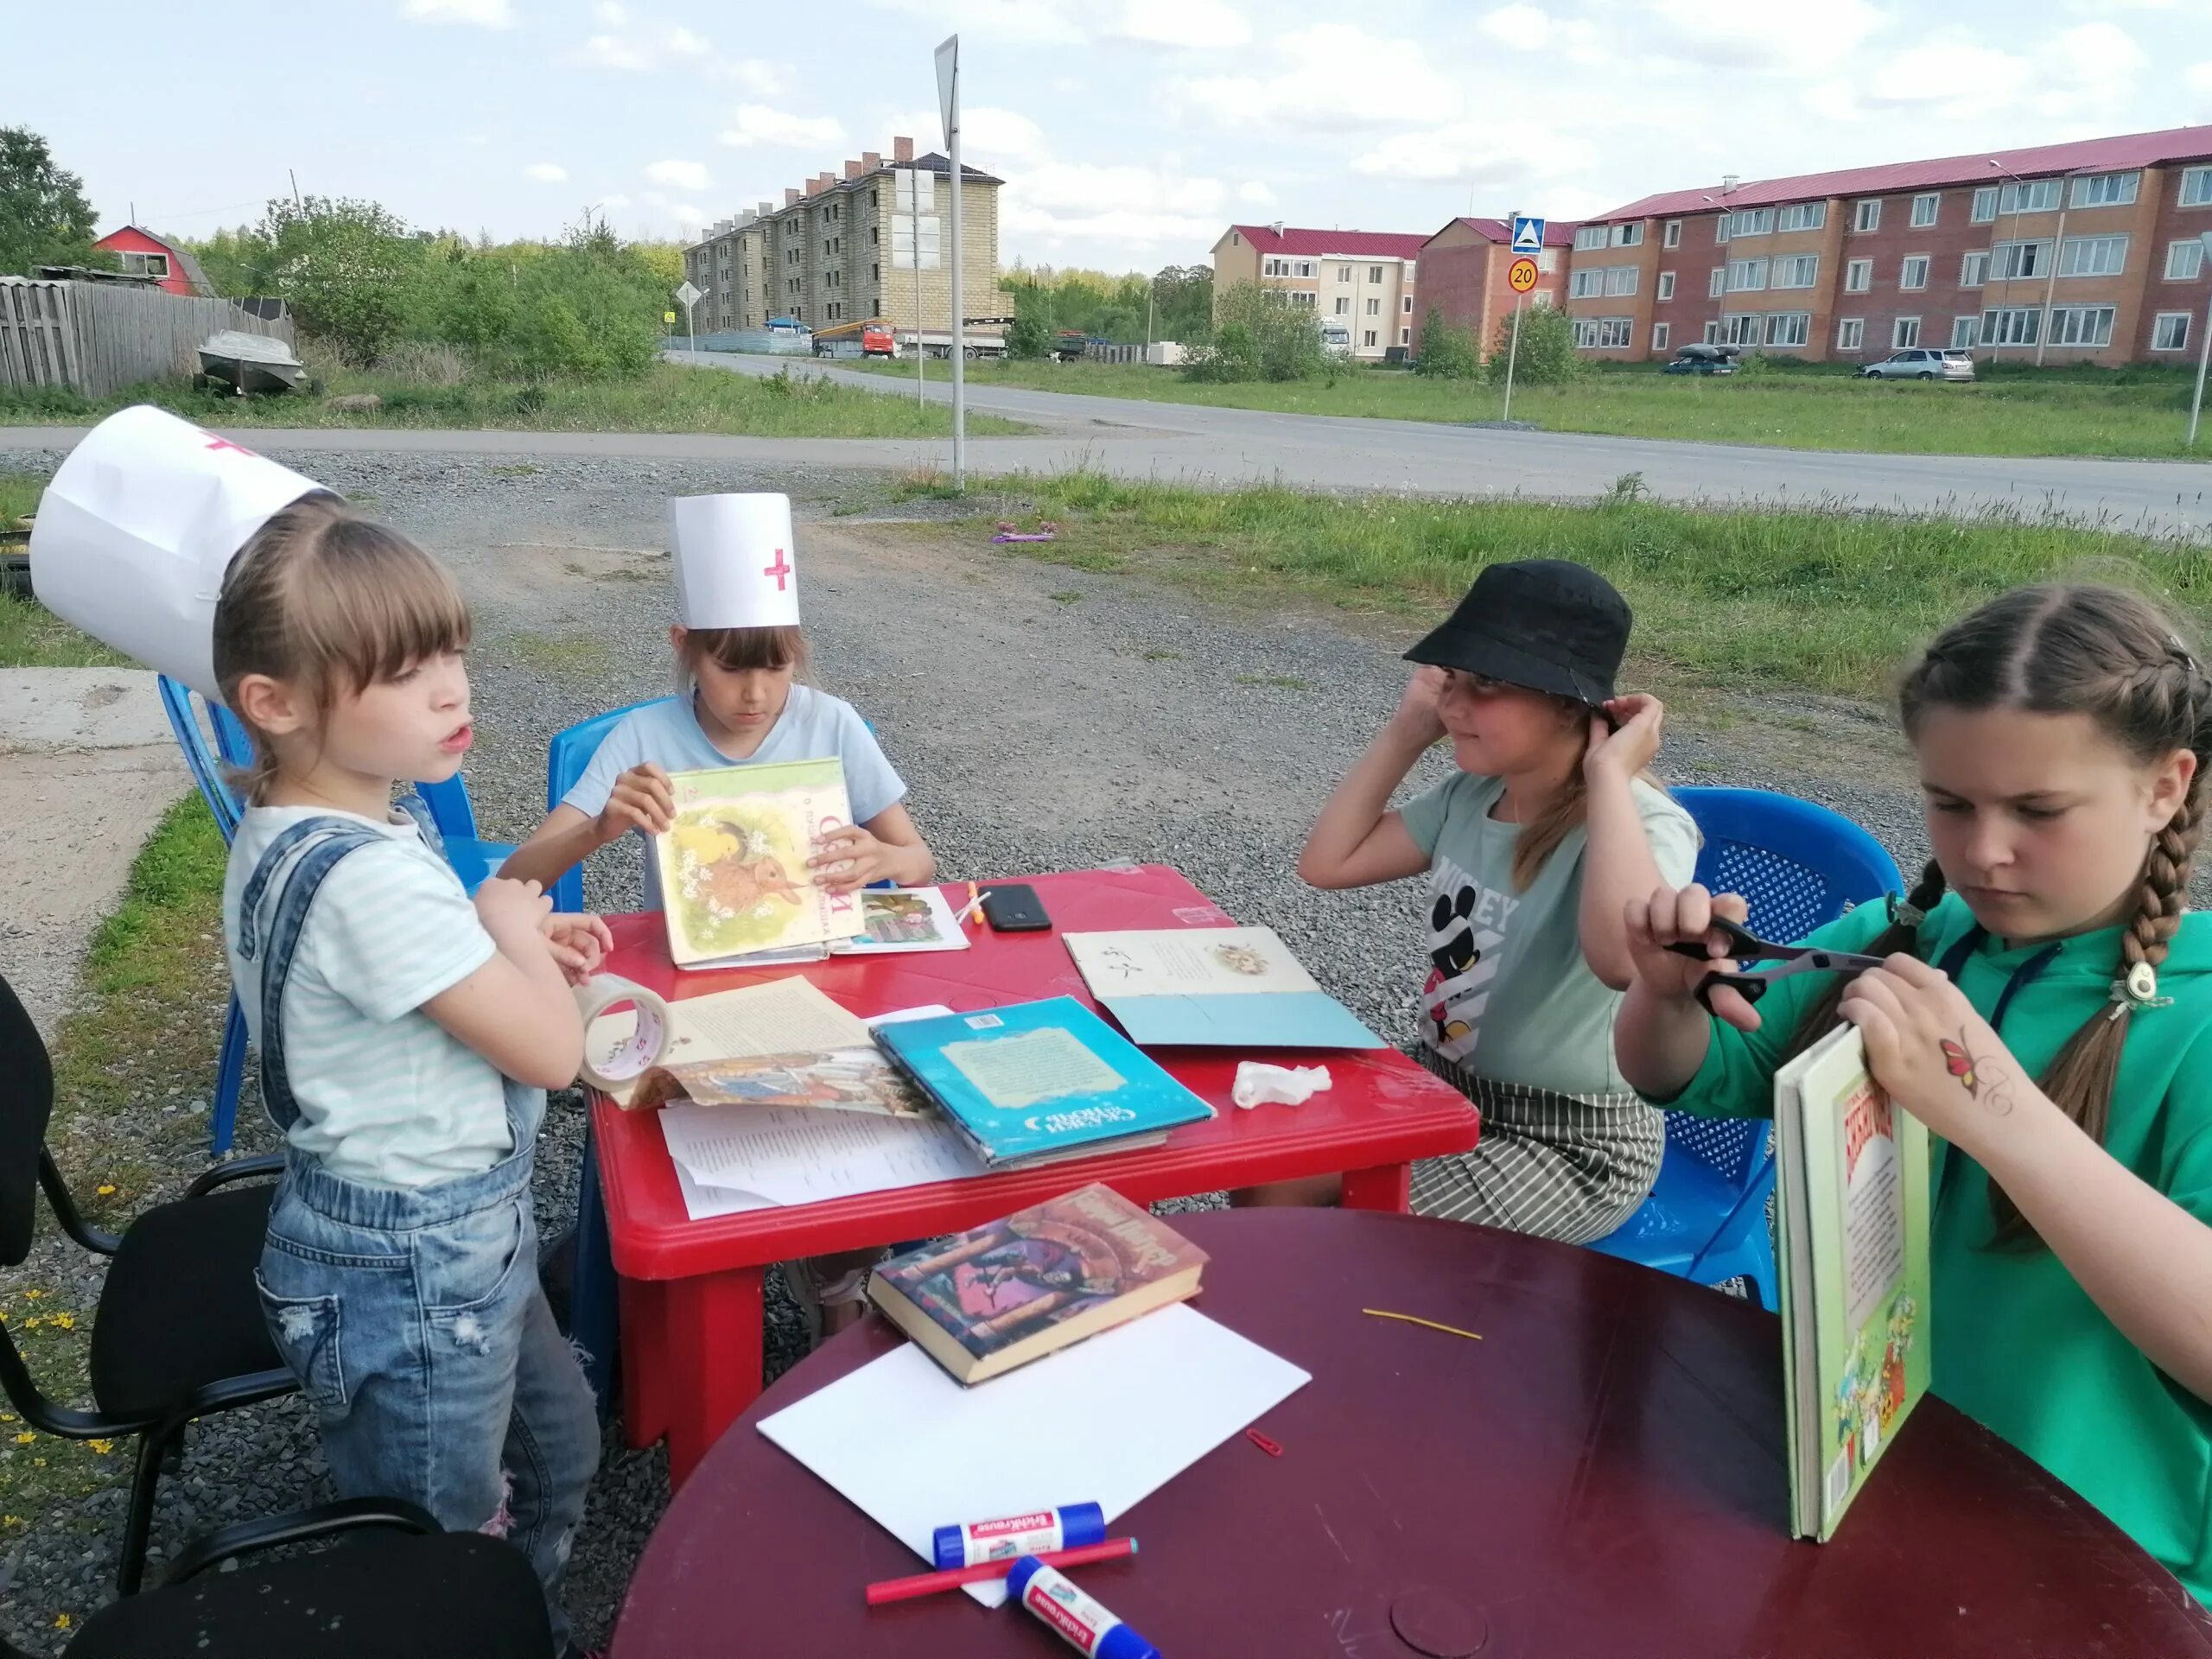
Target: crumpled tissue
[(1259, 1083)]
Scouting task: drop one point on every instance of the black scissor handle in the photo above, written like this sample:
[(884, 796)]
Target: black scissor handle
[(1750, 986)]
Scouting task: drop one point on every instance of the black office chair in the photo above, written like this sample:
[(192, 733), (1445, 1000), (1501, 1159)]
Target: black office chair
[(404, 1590), (179, 1331)]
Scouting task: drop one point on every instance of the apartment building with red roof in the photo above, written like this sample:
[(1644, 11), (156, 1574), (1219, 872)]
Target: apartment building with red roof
[(1463, 269), (1360, 281), (2087, 251)]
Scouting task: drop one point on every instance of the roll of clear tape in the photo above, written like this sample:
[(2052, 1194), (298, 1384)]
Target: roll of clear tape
[(645, 1047)]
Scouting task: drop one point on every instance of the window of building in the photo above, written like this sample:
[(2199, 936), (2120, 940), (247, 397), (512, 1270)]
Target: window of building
[(1750, 221), (1406, 305), (2012, 325), (1719, 236), (2197, 187), (1343, 273), (2107, 189), (1344, 305), (1801, 271), (1375, 308), (1630, 235), (2093, 256), (1973, 269), (1985, 205), (1666, 285), (2081, 325), (1866, 215), (1660, 333), (1587, 236), (1905, 331), (1603, 333), (1548, 261), (1925, 207), (1858, 276), (2010, 261), (146, 264), (1305, 267), (1718, 285), (1586, 284), (1299, 298), (1370, 336), (1966, 331), (1275, 268), (1850, 335), (1914, 274), (1620, 281), (1672, 235), (2035, 196), (1789, 328), (1713, 331), (1746, 276), (1742, 330), (1375, 273), (2170, 332), (1405, 336), (1802, 216)]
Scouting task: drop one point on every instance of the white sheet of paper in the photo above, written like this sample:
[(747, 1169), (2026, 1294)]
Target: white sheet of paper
[(798, 1155), (785, 1016), (916, 1451), (897, 1016)]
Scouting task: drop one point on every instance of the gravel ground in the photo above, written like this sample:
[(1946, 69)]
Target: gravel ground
[(1045, 718)]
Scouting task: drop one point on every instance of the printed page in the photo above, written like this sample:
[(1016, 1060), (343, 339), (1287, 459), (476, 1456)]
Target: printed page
[(1014, 1073), (788, 1155), (1190, 961), (787, 1016), (902, 919), (1874, 1202)]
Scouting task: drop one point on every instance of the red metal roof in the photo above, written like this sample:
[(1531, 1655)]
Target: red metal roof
[(2087, 155), (1367, 245), (1558, 232)]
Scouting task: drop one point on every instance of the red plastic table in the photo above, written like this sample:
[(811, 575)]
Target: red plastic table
[(1601, 1475), (691, 1290)]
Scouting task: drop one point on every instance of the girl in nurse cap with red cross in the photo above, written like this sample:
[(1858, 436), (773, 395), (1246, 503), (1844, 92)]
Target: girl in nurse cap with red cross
[(739, 652)]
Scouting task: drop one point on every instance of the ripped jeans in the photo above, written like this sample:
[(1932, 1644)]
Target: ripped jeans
[(414, 1320)]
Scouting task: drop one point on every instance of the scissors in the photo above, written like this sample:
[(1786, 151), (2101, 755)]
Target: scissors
[(1743, 946)]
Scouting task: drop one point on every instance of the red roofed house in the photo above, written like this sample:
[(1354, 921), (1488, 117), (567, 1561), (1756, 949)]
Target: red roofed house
[(2063, 253), (1361, 281), (1463, 275), (142, 253)]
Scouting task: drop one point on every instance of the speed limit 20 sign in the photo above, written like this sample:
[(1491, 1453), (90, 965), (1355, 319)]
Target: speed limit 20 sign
[(1522, 274)]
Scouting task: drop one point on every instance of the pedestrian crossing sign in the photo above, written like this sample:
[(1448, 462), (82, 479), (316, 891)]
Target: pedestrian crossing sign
[(1528, 234)]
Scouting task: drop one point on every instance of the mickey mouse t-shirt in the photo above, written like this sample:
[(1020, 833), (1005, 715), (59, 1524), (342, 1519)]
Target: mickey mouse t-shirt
[(1509, 996)]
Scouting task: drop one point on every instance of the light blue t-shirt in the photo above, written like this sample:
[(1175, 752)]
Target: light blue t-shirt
[(813, 725)]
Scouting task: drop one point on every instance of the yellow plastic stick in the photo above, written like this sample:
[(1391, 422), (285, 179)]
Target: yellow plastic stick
[(1449, 1330)]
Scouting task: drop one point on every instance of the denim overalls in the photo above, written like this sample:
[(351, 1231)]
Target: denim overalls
[(412, 1316)]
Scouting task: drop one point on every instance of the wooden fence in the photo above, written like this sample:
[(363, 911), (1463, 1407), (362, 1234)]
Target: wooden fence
[(96, 338)]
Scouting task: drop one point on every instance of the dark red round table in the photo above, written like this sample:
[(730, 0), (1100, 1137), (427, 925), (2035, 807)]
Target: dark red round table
[(1602, 1474)]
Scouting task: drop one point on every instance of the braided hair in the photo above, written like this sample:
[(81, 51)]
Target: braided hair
[(2065, 650)]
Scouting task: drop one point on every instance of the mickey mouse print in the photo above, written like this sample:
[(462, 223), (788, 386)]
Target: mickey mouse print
[(1467, 927)]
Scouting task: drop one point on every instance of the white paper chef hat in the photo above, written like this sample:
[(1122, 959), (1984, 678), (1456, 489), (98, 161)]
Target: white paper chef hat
[(133, 535), (733, 560)]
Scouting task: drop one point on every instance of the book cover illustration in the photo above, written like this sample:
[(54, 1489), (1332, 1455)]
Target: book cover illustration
[(733, 864), (904, 919), (1004, 1283), (840, 1079), (1220, 987)]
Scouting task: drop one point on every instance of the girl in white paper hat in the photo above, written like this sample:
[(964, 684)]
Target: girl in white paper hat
[(738, 653)]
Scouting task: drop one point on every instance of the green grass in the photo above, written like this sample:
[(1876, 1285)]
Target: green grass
[(33, 637), (145, 1028), (1735, 602), (667, 398), (2141, 413)]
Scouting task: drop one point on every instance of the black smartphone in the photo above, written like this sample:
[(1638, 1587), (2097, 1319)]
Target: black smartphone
[(1012, 907)]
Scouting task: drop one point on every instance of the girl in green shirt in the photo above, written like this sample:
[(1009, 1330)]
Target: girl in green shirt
[(2046, 1010)]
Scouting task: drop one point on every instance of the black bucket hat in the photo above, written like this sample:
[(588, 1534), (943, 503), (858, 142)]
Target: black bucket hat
[(1546, 623)]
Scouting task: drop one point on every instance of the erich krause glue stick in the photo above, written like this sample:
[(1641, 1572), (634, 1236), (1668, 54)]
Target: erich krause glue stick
[(1082, 1623), (1037, 1533)]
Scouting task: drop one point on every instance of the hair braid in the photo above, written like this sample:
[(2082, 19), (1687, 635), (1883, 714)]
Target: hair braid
[(1901, 934)]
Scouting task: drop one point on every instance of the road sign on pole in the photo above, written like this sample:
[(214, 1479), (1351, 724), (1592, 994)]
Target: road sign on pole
[(948, 94), (1512, 358), (1528, 233), (1522, 276), (2203, 352), (687, 297)]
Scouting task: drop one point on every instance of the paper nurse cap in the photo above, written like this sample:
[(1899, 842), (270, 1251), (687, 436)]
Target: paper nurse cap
[(733, 560), (133, 535)]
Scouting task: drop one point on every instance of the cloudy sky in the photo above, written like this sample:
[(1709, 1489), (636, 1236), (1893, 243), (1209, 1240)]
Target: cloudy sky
[(1130, 131)]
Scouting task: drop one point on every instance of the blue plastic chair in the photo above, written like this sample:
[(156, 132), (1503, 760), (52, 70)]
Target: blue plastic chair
[(1799, 866), (211, 740)]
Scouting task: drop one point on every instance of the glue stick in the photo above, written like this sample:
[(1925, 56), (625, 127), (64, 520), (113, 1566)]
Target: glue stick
[(1037, 1533), (1082, 1623)]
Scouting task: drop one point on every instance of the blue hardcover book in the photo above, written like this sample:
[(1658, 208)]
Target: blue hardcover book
[(1040, 1080)]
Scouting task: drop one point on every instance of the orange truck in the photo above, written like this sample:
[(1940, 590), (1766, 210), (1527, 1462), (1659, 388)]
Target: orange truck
[(869, 337)]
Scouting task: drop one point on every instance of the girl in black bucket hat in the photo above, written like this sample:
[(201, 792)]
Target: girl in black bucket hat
[(1532, 849)]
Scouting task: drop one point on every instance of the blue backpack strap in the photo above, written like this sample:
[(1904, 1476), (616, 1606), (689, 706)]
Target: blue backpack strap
[(325, 842)]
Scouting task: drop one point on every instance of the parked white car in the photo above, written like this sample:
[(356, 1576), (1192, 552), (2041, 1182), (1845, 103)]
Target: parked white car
[(1922, 363)]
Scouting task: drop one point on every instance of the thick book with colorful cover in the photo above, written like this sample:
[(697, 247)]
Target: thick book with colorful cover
[(1040, 1080), (733, 864), (1000, 1295), (1852, 1173)]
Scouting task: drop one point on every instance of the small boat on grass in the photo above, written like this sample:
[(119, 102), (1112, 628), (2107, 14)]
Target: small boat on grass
[(251, 363)]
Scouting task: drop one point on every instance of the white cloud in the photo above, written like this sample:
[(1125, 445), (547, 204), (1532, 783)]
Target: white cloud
[(647, 48), (1770, 35), (758, 124), (757, 75), (2199, 78), (1325, 79), (1480, 151), (610, 14), (484, 14), (999, 140), (1197, 24), (1255, 193), (2079, 73), (680, 175), (1523, 27), (612, 201), (2089, 70), (546, 173)]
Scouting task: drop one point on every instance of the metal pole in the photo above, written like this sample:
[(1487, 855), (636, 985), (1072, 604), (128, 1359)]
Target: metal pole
[(2204, 356), (959, 308), (914, 201), (1512, 357), (2050, 282)]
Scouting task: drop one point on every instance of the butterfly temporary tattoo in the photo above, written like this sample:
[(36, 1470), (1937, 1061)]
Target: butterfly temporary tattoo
[(1981, 1079), (1960, 1064)]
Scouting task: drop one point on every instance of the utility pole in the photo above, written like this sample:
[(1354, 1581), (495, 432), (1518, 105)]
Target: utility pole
[(948, 87)]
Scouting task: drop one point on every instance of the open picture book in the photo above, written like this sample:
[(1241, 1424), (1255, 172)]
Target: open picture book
[(733, 865)]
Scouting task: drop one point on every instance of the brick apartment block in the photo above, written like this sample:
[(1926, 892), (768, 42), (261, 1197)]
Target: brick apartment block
[(1361, 281), (2063, 253), (1463, 275), (824, 256)]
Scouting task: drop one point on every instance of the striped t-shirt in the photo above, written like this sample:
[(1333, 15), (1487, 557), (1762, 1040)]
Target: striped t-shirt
[(385, 1096)]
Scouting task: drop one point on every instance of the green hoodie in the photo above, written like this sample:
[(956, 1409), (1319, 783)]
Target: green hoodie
[(2017, 1344)]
